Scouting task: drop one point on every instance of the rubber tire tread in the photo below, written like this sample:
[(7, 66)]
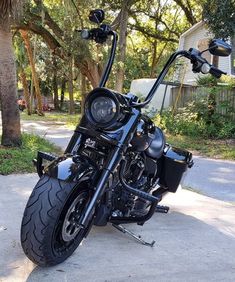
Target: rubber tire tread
[(40, 218)]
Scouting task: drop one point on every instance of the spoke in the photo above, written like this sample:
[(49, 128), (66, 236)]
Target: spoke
[(66, 225), (68, 229)]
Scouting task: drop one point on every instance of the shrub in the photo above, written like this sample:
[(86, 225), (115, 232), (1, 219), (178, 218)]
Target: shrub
[(193, 121)]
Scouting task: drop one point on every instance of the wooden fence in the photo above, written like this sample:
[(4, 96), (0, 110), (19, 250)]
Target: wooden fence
[(225, 98)]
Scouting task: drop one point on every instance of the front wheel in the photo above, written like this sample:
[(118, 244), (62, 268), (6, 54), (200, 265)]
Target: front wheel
[(49, 230)]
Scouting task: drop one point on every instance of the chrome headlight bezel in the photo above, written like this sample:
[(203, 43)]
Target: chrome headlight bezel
[(118, 100)]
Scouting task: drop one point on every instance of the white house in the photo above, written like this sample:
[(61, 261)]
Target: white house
[(198, 37)]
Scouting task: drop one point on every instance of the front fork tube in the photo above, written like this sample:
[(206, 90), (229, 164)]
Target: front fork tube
[(100, 187), (74, 143), (110, 166)]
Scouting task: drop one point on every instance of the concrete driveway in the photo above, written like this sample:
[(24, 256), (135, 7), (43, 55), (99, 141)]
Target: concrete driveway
[(194, 242)]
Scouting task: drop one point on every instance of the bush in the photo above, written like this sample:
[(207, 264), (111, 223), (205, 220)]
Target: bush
[(193, 121)]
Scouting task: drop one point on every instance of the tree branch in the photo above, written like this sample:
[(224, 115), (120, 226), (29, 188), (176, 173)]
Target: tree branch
[(153, 35), (187, 10), (49, 39)]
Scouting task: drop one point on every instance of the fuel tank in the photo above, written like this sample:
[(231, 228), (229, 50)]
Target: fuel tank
[(148, 138)]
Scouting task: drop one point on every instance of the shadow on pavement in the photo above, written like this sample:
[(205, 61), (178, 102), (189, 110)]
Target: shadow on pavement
[(186, 248)]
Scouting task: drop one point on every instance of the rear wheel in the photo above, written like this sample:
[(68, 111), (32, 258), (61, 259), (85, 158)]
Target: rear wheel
[(49, 230)]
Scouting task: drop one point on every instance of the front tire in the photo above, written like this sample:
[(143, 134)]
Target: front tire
[(49, 233)]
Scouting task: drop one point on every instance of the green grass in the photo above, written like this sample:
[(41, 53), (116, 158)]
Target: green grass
[(69, 120), (219, 149), (223, 149), (19, 160)]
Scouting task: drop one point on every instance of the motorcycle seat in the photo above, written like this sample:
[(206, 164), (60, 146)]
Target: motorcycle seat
[(156, 147)]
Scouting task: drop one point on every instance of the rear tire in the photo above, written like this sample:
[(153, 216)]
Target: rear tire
[(49, 234)]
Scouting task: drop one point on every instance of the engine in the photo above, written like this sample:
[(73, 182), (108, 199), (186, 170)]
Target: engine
[(140, 173)]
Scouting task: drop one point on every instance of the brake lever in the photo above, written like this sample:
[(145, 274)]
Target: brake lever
[(216, 72)]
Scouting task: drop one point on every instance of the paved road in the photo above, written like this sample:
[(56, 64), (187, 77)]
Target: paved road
[(195, 242), (214, 178)]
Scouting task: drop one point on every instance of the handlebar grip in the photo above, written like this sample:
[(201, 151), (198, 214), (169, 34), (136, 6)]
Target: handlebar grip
[(216, 72), (85, 34)]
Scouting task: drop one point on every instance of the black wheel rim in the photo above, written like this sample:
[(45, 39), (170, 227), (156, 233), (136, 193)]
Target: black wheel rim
[(61, 242), (70, 227)]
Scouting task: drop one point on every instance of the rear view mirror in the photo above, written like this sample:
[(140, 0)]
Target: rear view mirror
[(96, 16), (218, 47)]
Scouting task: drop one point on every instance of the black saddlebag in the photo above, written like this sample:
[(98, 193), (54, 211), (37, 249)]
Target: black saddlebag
[(174, 163)]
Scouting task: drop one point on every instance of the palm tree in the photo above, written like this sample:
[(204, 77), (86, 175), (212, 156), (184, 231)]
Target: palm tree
[(11, 135)]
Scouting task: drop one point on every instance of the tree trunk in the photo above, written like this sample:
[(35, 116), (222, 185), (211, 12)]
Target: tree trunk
[(70, 88), (25, 37), (11, 135), (83, 93), (215, 61), (63, 84), (212, 95), (154, 60), (211, 105), (91, 70), (32, 100), (122, 47), (26, 91), (55, 85), (55, 91)]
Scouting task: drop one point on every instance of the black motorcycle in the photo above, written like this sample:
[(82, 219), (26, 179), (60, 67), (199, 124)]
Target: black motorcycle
[(116, 168)]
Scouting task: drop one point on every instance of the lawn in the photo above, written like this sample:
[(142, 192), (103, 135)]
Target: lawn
[(69, 120), (18, 160), (222, 149), (218, 149)]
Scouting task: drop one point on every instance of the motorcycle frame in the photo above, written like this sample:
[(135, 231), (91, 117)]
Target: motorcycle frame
[(121, 144)]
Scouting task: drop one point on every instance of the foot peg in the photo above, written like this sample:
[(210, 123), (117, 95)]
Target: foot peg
[(133, 235), (162, 209)]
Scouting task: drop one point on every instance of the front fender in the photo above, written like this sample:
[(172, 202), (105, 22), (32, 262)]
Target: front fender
[(72, 168)]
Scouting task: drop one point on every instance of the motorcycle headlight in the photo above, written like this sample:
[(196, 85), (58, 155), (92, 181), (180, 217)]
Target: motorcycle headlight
[(104, 108)]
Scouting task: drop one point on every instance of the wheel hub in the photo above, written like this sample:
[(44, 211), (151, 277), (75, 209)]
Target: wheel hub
[(70, 227)]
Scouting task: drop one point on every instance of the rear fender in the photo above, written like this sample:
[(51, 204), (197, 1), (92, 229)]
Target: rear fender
[(72, 168)]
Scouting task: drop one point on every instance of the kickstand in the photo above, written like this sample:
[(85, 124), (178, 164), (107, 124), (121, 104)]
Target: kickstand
[(162, 209), (133, 235)]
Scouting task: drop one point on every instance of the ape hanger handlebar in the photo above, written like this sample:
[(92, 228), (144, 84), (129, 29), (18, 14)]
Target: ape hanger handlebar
[(199, 64), (100, 35)]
